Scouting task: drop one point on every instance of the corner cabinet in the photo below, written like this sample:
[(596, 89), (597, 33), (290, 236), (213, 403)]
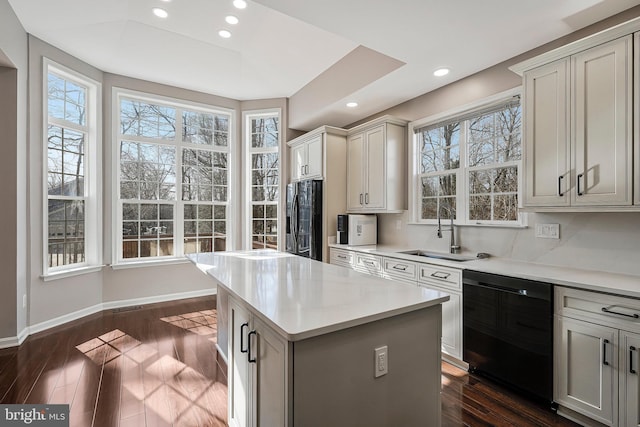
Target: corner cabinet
[(597, 342), (578, 141), (376, 166)]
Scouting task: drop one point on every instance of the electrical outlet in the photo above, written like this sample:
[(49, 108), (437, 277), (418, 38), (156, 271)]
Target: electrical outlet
[(548, 231), (380, 361)]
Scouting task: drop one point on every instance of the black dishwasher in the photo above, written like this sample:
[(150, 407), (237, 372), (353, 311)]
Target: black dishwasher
[(508, 332)]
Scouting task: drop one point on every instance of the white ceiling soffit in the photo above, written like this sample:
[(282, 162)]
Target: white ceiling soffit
[(270, 55), (282, 48)]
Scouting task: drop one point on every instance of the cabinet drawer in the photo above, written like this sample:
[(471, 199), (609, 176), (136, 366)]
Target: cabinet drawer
[(398, 268), (443, 276), (610, 310), (367, 263), (341, 257)]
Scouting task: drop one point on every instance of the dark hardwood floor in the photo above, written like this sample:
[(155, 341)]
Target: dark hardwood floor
[(158, 366)]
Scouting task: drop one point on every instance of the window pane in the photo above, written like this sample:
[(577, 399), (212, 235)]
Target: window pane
[(65, 232), (66, 100), (440, 148), (480, 181), (147, 120), (505, 208), (197, 127), (506, 180), (480, 208)]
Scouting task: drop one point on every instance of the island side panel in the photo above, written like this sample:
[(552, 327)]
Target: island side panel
[(222, 311), (334, 384)]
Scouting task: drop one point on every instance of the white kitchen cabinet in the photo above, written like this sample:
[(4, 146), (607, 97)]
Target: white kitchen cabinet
[(448, 280), (258, 372), (427, 275), (306, 159), (578, 129), (586, 372), (322, 154), (597, 338), (630, 385), (376, 167)]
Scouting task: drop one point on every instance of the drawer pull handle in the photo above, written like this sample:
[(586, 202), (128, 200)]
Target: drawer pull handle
[(633, 316), (440, 275), (342, 256), (400, 267), (631, 350), (604, 352), (242, 347), (371, 263), (251, 359)]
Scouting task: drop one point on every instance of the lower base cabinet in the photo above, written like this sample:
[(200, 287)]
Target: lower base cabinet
[(328, 380), (258, 371), (597, 342)]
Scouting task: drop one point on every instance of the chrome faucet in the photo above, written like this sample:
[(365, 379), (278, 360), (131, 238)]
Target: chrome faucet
[(453, 247)]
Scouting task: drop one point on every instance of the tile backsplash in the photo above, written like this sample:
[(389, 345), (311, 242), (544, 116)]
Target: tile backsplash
[(595, 241)]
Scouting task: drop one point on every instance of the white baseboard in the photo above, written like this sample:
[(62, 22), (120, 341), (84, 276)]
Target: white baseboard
[(61, 320), (157, 298)]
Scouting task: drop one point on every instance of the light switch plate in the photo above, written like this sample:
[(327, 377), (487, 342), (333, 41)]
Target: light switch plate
[(380, 361)]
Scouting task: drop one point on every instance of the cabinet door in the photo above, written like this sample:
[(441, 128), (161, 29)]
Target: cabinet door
[(374, 170), (355, 185), (298, 162), (630, 387), (239, 382), (451, 321), (270, 373), (602, 90), (547, 170), (314, 158), (586, 378)]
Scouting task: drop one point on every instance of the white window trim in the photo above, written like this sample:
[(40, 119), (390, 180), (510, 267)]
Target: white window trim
[(93, 179), (247, 116), (462, 178), (116, 215)]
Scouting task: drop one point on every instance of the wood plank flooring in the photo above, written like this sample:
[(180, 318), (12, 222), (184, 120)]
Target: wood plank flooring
[(158, 366)]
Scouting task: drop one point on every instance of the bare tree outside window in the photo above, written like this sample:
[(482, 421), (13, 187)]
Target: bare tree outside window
[(492, 143), (265, 180), (171, 170), (66, 139)]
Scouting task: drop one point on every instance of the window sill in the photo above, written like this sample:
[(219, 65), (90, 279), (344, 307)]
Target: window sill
[(150, 263), (62, 274)]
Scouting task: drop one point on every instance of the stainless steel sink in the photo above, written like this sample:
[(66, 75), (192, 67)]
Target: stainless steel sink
[(439, 255)]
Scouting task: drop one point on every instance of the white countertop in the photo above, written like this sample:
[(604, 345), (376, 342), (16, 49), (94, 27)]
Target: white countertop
[(598, 281), (301, 298)]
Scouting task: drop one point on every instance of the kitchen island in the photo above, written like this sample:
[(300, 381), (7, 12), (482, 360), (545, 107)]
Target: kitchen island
[(312, 344)]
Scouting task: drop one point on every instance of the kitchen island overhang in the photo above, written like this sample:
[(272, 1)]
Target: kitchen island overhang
[(330, 321)]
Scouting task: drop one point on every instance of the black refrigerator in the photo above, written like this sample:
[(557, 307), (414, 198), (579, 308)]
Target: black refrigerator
[(304, 218)]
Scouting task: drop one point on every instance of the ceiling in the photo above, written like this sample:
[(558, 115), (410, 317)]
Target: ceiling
[(376, 52)]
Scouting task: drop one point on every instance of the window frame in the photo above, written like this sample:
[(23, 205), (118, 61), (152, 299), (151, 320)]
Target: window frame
[(463, 171), (247, 116), (92, 153), (118, 94)]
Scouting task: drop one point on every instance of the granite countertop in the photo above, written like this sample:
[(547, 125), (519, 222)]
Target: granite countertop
[(301, 298), (598, 281)]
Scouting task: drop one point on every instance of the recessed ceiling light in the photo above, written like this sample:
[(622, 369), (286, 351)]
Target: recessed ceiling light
[(352, 104), (166, 1), (240, 4), (160, 13), (233, 20), (225, 34), (441, 72)]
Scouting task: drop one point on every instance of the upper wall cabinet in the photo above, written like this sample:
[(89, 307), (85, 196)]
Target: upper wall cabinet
[(580, 152), (376, 167), (578, 129), (306, 159)]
